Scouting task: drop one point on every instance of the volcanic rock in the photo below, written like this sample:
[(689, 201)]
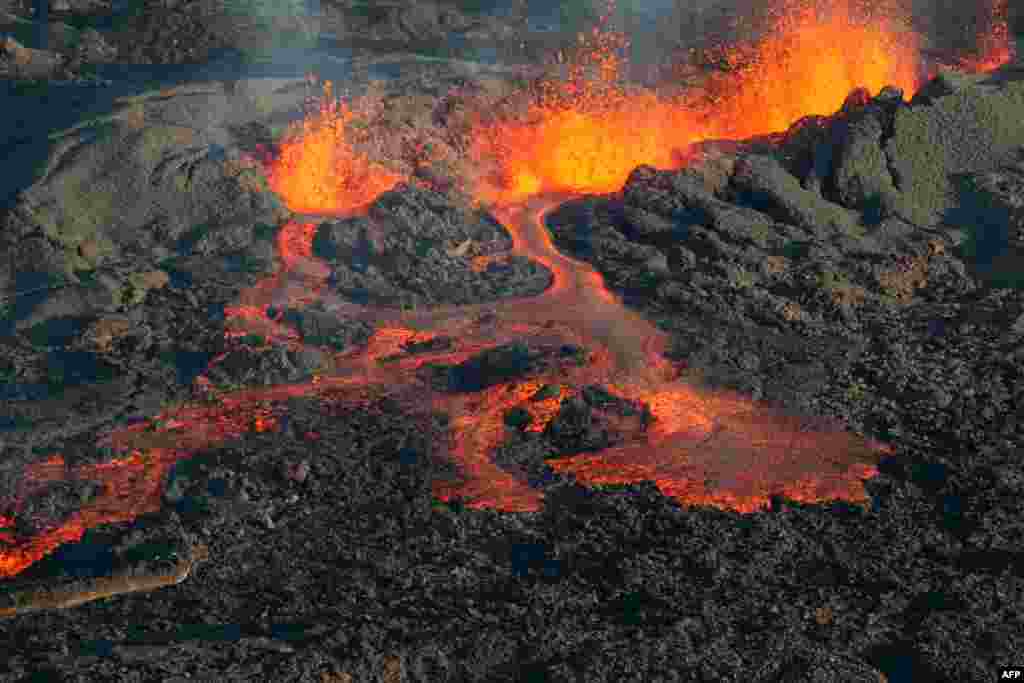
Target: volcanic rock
[(323, 328), (264, 366), (500, 364), (49, 507), (1005, 190), (882, 157), (860, 176), (297, 472), (63, 303), (185, 187), (763, 183), (80, 6), (411, 249), (91, 48), (102, 334), (139, 285), (975, 128), (18, 61), (743, 268), (595, 420), (368, 576), (494, 366), (992, 204), (189, 32)]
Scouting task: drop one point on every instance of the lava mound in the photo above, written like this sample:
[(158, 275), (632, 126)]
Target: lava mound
[(417, 247)]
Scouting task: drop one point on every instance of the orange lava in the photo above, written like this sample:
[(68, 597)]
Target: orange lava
[(814, 56), (586, 134), (299, 281), (722, 450), (583, 134), (318, 169), (131, 486)]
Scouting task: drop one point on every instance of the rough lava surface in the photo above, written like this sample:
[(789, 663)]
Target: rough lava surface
[(865, 267)]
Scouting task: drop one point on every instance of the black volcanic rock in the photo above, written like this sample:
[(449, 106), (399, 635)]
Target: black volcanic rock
[(974, 128), (593, 420), (993, 205), (763, 183), (248, 365), (501, 364), (185, 194), (48, 508), (320, 327), (860, 176), (491, 367), (415, 246)]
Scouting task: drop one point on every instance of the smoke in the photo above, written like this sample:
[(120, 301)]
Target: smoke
[(958, 27), (668, 31), (662, 33)]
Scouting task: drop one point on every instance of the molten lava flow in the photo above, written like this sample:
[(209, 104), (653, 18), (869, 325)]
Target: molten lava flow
[(131, 486), (298, 282), (722, 450), (317, 170), (582, 134)]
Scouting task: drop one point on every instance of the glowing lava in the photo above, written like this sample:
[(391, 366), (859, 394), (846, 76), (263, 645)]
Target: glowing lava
[(582, 134), (588, 133), (813, 57), (131, 486), (318, 169), (723, 450)]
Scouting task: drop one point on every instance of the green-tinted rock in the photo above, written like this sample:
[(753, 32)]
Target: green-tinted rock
[(974, 128)]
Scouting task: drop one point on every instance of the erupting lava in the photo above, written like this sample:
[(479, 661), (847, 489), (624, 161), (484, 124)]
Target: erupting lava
[(317, 166), (588, 134), (578, 135)]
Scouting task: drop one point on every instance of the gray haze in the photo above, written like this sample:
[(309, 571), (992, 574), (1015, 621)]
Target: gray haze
[(664, 30)]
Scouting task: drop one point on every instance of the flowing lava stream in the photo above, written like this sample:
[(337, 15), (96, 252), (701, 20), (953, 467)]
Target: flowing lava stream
[(578, 135)]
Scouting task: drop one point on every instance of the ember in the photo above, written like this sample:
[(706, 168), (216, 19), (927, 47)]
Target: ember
[(995, 44)]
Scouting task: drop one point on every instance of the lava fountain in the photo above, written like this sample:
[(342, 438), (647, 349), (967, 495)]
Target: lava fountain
[(317, 167), (580, 134), (587, 134)]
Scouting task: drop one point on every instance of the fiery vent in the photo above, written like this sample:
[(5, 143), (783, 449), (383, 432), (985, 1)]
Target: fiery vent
[(583, 133), (318, 170), (587, 133)]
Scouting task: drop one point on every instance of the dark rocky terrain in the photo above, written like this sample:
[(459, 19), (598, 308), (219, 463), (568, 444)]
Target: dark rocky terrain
[(865, 267)]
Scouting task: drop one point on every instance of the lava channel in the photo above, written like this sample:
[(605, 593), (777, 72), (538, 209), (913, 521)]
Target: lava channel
[(578, 136)]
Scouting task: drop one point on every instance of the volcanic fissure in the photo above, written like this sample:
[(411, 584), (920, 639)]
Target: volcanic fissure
[(516, 363)]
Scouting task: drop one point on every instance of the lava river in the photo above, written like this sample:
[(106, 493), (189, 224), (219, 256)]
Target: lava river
[(698, 446)]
